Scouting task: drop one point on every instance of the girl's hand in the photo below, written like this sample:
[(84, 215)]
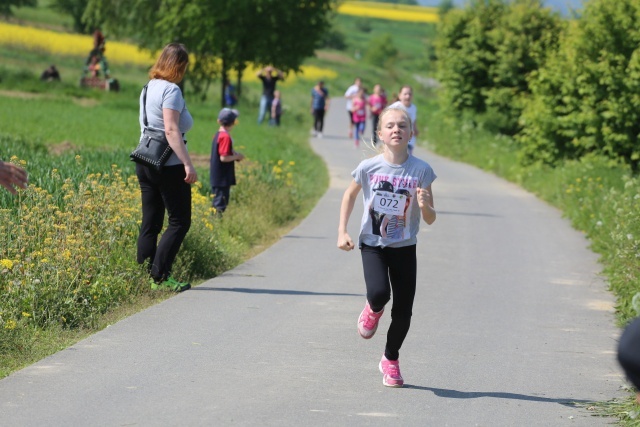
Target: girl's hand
[(344, 242), (424, 197)]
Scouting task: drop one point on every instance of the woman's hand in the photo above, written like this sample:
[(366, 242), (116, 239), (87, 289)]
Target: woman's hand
[(191, 175)]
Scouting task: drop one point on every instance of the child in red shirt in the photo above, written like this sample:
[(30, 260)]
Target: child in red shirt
[(223, 158), (377, 101)]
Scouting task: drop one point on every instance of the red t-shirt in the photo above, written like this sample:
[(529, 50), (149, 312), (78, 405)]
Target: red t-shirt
[(377, 103), (359, 110), (224, 144)]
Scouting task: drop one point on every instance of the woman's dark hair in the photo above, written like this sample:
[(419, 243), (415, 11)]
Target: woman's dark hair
[(171, 64)]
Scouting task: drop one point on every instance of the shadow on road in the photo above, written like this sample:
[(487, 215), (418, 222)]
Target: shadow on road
[(455, 394), (273, 291), (468, 214)]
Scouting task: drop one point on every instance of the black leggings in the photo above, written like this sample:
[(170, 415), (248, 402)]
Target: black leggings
[(318, 119), (388, 270), (160, 191)]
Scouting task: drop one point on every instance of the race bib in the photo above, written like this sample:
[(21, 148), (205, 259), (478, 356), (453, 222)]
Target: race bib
[(389, 203)]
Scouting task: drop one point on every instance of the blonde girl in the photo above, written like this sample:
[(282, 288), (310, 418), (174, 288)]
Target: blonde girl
[(393, 183)]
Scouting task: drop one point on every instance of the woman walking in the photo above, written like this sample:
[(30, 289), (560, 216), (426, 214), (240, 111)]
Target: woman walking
[(168, 189), (319, 105)]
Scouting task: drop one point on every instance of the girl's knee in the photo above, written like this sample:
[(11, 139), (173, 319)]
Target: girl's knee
[(377, 300)]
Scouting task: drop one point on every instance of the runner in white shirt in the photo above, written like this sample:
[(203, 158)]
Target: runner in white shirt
[(406, 96), (349, 95)]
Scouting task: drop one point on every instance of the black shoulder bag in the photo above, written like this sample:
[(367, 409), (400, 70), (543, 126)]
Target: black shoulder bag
[(153, 149)]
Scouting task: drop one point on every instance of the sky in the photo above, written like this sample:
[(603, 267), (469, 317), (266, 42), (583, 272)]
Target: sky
[(560, 5)]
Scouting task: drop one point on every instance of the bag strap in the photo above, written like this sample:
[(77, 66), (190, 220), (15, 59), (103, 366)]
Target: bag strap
[(144, 106)]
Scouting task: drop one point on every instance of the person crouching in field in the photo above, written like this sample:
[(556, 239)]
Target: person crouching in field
[(223, 157), (394, 184), (12, 177)]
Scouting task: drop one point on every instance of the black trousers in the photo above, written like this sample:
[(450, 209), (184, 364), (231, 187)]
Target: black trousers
[(386, 271), (318, 119), (220, 198), (374, 124), (164, 190), (629, 352)]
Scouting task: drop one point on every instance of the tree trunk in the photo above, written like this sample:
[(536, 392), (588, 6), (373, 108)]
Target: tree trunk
[(225, 79), (241, 68)]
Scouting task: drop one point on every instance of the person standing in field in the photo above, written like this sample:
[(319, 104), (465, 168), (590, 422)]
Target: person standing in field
[(351, 92), (319, 106), (406, 97), (377, 101), (276, 109), (223, 158), (268, 88), (169, 189), (389, 258)]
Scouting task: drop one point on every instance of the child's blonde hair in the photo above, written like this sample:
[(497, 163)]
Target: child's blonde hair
[(396, 106)]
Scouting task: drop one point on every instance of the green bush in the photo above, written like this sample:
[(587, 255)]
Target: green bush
[(381, 51), (586, 98), (485, 54)]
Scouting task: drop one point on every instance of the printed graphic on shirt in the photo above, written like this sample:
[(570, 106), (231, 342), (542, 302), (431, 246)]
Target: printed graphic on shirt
[(390, 204)]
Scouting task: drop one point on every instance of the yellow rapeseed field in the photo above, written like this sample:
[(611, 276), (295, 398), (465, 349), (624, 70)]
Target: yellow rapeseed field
[(117, 53), (69, 44), (394, 12)]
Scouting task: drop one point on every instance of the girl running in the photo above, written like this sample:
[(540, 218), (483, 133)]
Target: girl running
[(394, 184), (405, 96), (359, 115)]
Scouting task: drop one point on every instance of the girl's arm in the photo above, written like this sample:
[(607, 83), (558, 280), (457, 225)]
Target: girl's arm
[(425, 201), (348, 201), (172, 131)]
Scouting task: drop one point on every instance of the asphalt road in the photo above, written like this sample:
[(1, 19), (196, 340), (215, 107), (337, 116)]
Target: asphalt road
[(512, 326)]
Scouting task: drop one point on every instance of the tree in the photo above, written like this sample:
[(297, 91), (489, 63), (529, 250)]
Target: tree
[(74, 8), (5, 5), (221, 35), (445, 6), (486, 53), (381, 51), (587, 98), (524, 37)]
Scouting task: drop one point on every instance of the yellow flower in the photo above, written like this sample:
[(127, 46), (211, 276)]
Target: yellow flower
[(10, 324), (25, 314), (6, 263)]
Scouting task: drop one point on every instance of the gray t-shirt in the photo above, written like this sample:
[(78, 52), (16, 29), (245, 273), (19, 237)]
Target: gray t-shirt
[(391, 215), (164, 94)]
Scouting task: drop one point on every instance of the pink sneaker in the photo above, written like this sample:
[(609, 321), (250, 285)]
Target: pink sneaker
[(390, 373), (368, 322)]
